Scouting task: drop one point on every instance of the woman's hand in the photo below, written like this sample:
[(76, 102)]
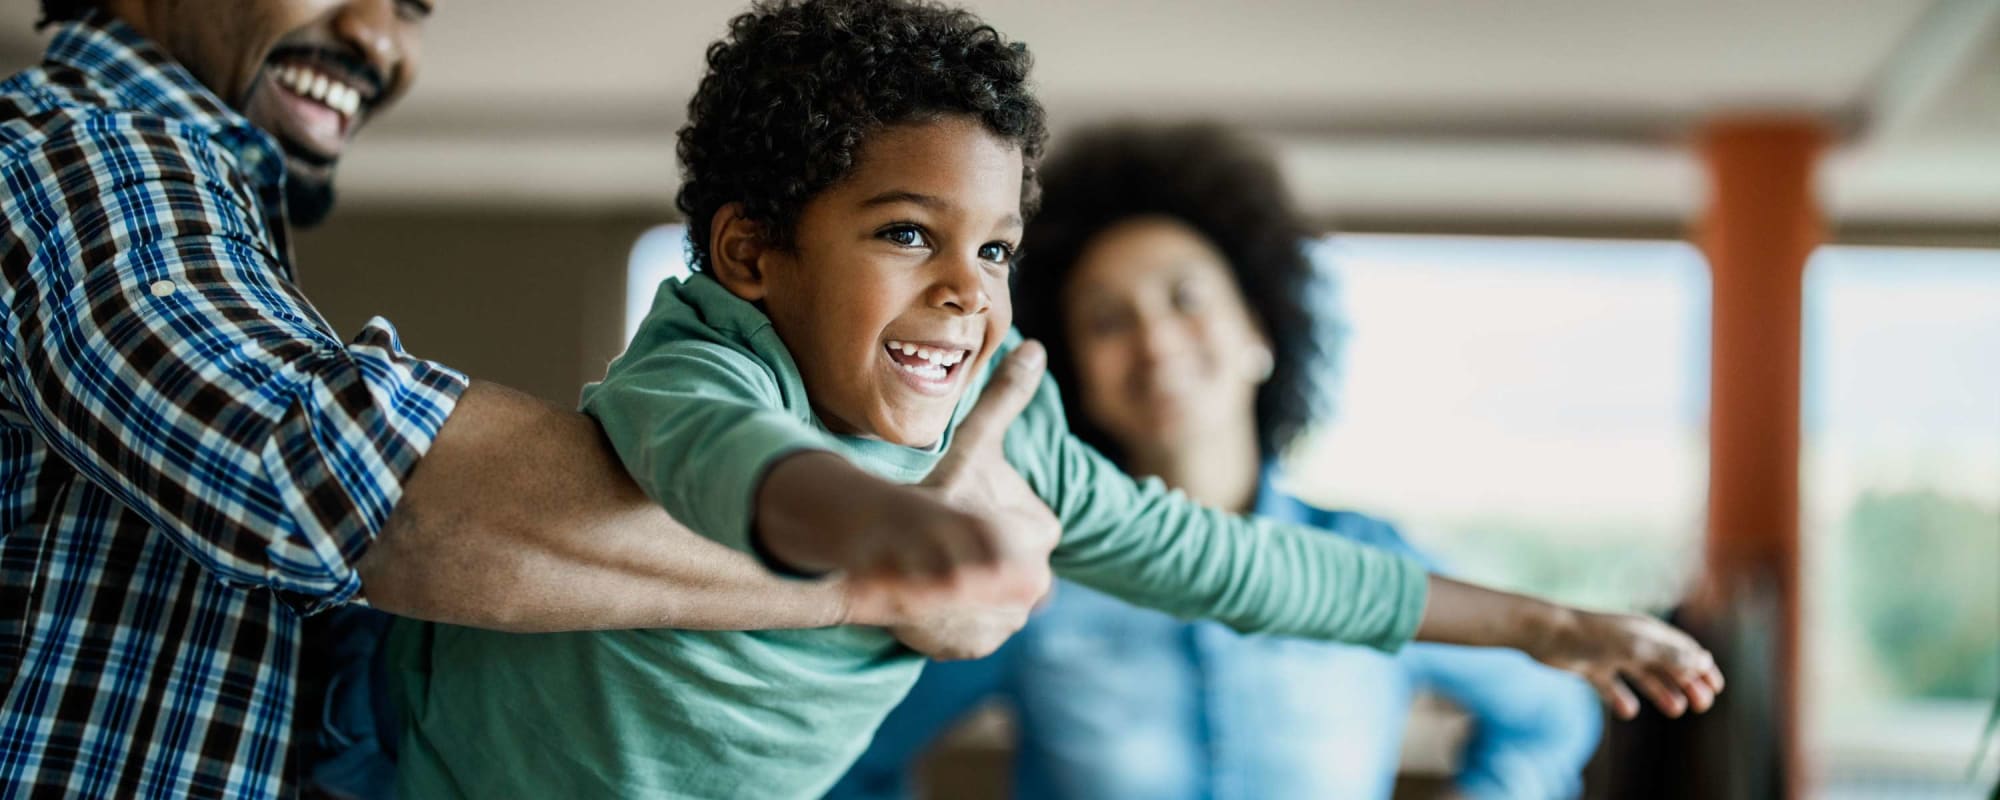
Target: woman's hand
[(1614, 652)]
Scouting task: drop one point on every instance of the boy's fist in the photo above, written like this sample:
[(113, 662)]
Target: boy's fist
[(964, 555)]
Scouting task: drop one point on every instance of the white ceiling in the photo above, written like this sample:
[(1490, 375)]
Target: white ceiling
[(1424, 112)]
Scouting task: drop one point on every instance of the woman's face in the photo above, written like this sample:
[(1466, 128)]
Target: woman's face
[(1166, 350)]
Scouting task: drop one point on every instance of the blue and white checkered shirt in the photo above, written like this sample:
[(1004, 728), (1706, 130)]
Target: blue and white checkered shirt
[(189, 458)]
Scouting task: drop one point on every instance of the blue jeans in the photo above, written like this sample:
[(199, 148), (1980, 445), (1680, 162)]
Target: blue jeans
[(352, 754)]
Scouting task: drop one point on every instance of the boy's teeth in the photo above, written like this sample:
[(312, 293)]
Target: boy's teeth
[(937, 357), (929, 371)]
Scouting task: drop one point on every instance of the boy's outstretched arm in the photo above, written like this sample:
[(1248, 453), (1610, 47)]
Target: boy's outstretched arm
[(1611, 651), (1140, 542)]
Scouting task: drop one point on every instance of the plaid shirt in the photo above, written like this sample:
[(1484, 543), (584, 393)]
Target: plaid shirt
[(190, 460)]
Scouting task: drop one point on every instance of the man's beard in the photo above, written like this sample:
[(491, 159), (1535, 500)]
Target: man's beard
[(308, 198)]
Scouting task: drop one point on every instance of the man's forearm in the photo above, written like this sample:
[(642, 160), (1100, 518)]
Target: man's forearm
[(520, 518)]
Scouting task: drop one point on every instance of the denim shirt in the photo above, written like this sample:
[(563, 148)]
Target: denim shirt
[(1121, 702)]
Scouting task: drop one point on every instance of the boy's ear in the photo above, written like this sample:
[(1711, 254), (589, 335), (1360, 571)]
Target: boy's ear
[(736, 251)]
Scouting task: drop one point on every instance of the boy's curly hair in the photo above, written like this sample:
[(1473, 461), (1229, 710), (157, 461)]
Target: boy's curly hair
[(797, 86), (1223, 186)]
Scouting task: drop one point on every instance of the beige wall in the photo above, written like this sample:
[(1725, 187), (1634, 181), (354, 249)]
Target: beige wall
[(533, 302)]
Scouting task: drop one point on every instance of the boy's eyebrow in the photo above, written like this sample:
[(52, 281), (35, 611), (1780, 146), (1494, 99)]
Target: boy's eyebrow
[(893, 196), (931, 202)]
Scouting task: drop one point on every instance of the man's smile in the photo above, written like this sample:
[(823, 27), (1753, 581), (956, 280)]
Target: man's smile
[(314, 98)]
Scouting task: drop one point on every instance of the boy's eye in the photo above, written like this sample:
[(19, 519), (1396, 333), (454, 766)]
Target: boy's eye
[(997, 253), (904, 236)]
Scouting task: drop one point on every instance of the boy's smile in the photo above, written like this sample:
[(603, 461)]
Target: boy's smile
[(929, 367), (894, 291)]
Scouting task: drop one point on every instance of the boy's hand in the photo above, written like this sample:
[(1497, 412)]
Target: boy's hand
[(956, 633), (1619, 652), (974, 476), (953, 564), (921, 555), (1609, 650)]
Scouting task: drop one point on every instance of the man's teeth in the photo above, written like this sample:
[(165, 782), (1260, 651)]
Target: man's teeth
[(936, 357), (329, 92)]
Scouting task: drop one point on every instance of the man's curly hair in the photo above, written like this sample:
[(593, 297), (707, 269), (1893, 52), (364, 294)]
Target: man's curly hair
[(797, 86), (1217, 183)]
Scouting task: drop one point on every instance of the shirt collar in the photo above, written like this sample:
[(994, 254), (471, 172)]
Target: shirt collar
[(137, 75), (1274, 504)]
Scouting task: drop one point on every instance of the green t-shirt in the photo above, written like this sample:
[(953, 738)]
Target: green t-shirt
[(701, 404)]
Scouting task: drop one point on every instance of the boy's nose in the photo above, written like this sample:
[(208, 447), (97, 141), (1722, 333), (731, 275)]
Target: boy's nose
[(961, 288)]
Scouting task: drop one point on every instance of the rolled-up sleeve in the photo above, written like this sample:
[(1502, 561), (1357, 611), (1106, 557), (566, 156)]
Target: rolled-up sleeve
[(673, 400), (154, 340)]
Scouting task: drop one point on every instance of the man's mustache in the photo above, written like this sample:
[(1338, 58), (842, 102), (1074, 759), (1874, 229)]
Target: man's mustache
[(333, 59)]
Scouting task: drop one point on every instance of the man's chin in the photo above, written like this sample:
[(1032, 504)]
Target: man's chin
[(308, 194)]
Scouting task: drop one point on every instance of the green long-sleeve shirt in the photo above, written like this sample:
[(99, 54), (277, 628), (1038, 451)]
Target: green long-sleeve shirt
[(705, 400)]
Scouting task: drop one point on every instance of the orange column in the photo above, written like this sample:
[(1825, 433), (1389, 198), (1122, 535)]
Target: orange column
[(1761, 225)]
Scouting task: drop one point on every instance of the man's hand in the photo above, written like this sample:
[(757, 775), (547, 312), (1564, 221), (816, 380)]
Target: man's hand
[(958, 617)]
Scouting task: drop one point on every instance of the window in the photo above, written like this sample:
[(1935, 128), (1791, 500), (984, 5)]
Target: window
[(1901, 533), (1531, 410), (660, 253)]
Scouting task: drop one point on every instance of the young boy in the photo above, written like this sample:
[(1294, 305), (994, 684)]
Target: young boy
[(856, 177)]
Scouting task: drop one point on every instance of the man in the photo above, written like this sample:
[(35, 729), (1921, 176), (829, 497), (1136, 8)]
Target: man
[(190, 460)]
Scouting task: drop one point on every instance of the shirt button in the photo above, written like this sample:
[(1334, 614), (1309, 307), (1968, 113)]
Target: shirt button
[(163, 288)]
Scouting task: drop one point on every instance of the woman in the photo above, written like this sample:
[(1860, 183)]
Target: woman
[(1168, 274)]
